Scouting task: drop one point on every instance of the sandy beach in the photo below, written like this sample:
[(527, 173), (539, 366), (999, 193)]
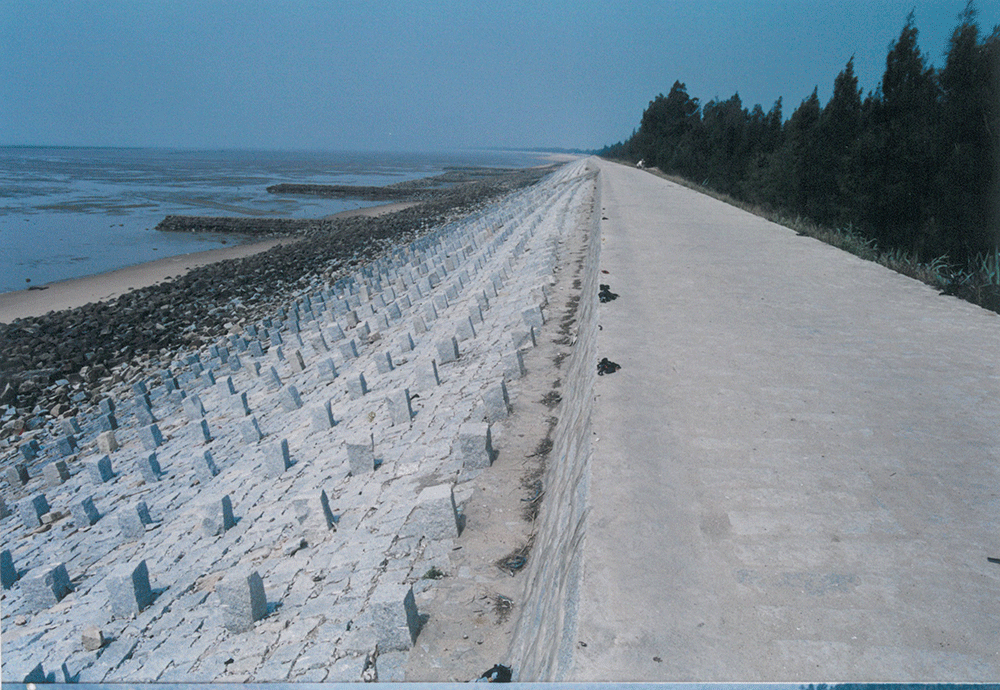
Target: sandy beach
[(76, 292)]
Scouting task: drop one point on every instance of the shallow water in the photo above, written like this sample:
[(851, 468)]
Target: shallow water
[(71, 212)]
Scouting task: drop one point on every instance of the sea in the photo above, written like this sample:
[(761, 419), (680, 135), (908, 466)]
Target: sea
[(73, 212)]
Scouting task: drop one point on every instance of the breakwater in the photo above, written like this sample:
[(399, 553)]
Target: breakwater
[(263, 505)]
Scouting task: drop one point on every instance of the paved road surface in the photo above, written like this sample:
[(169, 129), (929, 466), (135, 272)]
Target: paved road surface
[(797, 470)]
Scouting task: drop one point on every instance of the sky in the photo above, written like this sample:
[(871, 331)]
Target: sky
[(422, 75)]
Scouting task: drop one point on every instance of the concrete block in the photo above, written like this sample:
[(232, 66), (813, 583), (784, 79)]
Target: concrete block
[(149, 468), (523, 339), (400, 410), (435, 516), (201, 432), (395, 617), (475, 445), (335, 332), (8, 572), (29, 450), (276, 458), (496, 402), (419, 327), (106, 422), (143, 413), (151, 437), (357, 386), (363, 330), (475, 314), (296, 361), (55, 473), (107, 442), (322, 417), (204, 467), (327, 370), (464, 330), (70, 426), (45, 587), (405, 343), (106, 405), (84, 512), (383, 362), (238, 405), (129, 588), (219, 517), (4, 510), (139, 388), (533, 317), (32, 509), (193, 408), (226, 386), (67, 445), (92, 638), (272, 379), (430, 312), (133, 519), (319, 344), (242, 599), (255, 349), (513, 365), (349, 349), (328, 515), (447, 350), (17, 475), (235, 364), (100, 470), (289, 398), (360, 455), (250, 430)]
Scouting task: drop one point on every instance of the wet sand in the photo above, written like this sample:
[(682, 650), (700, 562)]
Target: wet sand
[(76, 292)]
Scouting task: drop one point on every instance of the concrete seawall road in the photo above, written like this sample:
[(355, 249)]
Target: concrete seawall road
[(795, 475)]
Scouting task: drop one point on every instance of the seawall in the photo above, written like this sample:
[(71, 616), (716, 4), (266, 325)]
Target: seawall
[(543, 639)]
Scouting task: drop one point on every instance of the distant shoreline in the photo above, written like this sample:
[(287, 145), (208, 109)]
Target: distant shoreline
[(99, 287)]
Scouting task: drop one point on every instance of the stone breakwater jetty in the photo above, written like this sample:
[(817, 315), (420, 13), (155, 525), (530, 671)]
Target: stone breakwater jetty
[(265, 507)]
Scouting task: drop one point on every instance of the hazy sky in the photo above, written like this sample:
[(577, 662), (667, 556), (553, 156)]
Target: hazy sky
[(421, 75)]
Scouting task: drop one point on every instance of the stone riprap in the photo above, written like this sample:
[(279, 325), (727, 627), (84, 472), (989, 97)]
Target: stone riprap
[(342, 490)]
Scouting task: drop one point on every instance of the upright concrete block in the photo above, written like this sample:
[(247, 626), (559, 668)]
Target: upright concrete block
[(204, 467), (319, 344), (201, 432), (327, 370), (435, 516), (272, 378), (193, 408), (447, 350), (276, 458), (242, 599), (106, 422), (297, 362), (100, 470), (17, 474), (360, 455), (235, 364), (400, 410), (106, 405), (226, 386), (129, 589), (322, 417), (533, 317), (250, 430), (133, 520), (8, 572), (149, 468), (29, 450), (349, 349), (238, 405), (151, 437), (328, 514), (143, 413), (219, 517), (289, 398), (255, 349), (4, 510), (70, 426), (45, 586), (405, 343), (383, 362), (395, 617), (357, 386), (496, 402), (55, 473), (464, 330), (513, 365), (67, 445), (336, 333), (84, 512), (32, 509), (475, 445), (107, 442)]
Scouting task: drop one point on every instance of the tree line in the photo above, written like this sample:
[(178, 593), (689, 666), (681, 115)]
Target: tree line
[(913, 166)]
